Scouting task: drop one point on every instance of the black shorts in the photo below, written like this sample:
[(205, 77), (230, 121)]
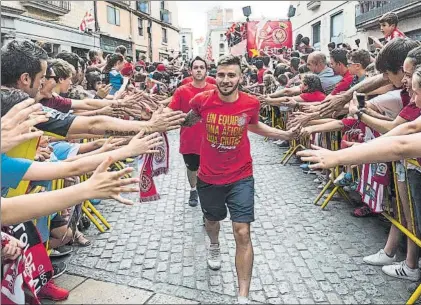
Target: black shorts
[(192, 161), (57, 222), (237, 196)]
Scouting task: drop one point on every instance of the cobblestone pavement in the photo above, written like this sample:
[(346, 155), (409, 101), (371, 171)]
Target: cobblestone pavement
[(302, 254)]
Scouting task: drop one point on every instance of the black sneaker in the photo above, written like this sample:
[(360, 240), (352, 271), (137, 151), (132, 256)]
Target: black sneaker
[(59, 269), (194, 198), (61, 251)]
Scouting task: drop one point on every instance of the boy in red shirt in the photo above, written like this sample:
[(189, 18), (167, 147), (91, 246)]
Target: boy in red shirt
[(225, 177), (389, 28), (191, 137)]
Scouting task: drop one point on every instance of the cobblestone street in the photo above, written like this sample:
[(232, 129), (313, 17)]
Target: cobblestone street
[(302, 254)]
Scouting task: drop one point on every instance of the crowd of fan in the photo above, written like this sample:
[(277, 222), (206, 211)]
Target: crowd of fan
[(372, 97), (118, 105)]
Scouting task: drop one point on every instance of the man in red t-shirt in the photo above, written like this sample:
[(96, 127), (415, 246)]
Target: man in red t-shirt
[(225, 177), (191, 137), (339, 64)]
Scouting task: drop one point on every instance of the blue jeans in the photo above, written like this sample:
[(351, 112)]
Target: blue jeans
[(414, 179)]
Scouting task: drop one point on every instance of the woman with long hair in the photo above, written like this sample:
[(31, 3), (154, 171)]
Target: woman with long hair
[(111, 72)]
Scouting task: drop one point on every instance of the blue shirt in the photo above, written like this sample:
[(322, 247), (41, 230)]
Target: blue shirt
[(64, 150), (12, 172), (116, 80), (329, 79)]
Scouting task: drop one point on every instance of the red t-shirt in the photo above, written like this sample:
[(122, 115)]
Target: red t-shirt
[(316, 96), (59, 103), (395, 34), (190, 137), (225, 150), (260, 75), (410, 112), (189, 79), (405, 97), (344, 84)]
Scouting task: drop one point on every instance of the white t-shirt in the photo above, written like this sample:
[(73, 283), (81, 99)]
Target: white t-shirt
[(389, 103)]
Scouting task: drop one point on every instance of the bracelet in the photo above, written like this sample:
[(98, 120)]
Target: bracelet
[(359, 114)]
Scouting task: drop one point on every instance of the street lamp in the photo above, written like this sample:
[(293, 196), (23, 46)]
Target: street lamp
[(247, 12)]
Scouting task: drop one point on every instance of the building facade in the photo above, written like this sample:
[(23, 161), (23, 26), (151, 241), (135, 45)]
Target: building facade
[(219, 42), (350, 21), (144, 27), (186, 43), (55, 23)]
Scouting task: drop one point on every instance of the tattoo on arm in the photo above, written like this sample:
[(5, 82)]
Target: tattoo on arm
[(114, 133), (191, 119), (370, 84)]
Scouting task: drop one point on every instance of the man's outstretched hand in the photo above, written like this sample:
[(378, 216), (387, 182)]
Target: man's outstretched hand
[(165, 121), (320, 157)]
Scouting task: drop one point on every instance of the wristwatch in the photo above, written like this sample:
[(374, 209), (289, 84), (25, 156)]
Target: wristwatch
[(359, 114)]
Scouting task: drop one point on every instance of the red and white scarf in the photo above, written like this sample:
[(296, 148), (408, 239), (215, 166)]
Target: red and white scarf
[(24, 277), (150, 166)]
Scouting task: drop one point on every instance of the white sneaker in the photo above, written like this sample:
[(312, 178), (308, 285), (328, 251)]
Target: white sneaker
[(402, 271), (379, 259), (214, 257), (243, 300)]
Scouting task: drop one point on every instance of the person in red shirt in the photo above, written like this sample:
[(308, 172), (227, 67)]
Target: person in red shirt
[(339, 64), (389, 27), (225, 178), (191, 137), (311, 92), (189, 79), (261, 71)]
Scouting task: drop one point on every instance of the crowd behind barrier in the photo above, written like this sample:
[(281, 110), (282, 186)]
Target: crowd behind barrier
[(111, 112)]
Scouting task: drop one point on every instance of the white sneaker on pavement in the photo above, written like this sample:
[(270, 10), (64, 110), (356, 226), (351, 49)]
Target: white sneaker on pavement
[(402, 271), (379, 259), (243, 300), (214, 257)]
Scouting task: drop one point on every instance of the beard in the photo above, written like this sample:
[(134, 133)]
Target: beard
[(234, 88)]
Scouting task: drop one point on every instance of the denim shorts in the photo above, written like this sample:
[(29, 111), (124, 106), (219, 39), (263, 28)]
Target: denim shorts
[(238, 197), (400, 172), (414, 181)]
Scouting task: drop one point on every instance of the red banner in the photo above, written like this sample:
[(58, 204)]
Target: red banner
[(268, 37)]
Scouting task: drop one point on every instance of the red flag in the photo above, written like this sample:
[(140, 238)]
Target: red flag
[(268, 36)]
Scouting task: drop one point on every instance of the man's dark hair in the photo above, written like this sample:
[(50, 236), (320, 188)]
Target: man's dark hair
[(295, 54), (415, 56), (360, 56), (157, 76), (280, 69), (305, 40), (19, 57), (393, 54), (339, 56), (303, 69), (121, 49), (71, 58), (266, 60), (200, 59), (304, 57), (259, 64), (11, 97), (283, 79), (331, 45), (295, 63), (390, 18), (230, 60)]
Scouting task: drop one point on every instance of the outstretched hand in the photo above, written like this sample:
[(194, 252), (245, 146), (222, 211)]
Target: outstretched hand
[(320, 157), (109, 185), (165, 121), (16, 125)]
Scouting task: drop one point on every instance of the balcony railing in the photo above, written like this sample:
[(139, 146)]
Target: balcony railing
[(312, 5), (165, 16), (372, 10), (58, 8)]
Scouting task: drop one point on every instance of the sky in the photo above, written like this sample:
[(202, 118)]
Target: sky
[(192, 14)]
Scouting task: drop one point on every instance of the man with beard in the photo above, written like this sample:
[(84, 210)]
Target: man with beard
[(191, 137), (225, 177)]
